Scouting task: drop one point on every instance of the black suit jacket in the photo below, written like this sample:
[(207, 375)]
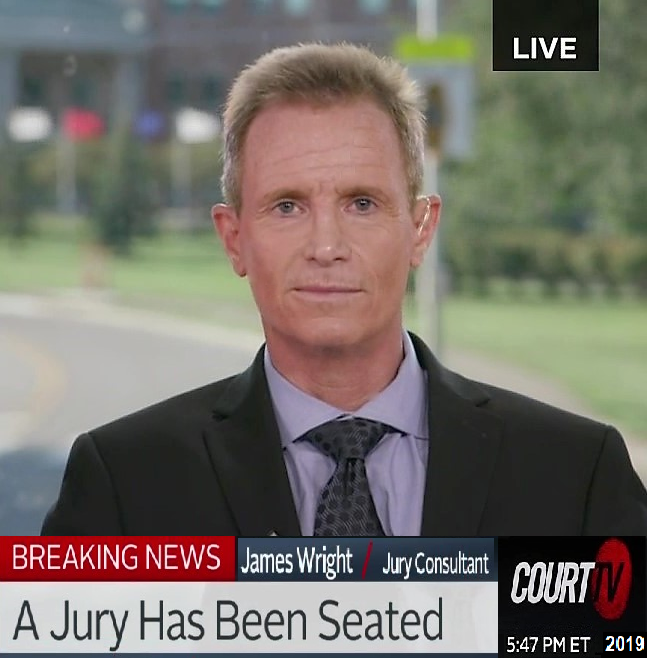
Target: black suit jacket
[(210, 462)]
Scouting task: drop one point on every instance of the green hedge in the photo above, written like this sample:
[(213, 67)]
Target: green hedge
[(551, 257)]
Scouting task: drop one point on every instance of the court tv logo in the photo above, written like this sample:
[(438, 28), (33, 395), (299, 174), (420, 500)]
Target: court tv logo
[(606, 582)]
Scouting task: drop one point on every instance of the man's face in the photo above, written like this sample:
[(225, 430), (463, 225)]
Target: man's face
[(325, 231)]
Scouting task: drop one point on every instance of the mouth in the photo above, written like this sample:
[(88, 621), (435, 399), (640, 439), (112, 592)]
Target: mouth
[(330, 289), (326, 292)]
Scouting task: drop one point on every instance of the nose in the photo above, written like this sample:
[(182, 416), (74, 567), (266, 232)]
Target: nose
[(327, 240)]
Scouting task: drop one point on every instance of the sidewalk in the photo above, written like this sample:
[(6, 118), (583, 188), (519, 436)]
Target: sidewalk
[(100, 309)]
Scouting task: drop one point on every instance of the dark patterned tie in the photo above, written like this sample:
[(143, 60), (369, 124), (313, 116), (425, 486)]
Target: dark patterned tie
[(346, 507)]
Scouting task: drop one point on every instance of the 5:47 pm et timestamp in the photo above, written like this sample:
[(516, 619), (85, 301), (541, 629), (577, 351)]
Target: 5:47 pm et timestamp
[(547, 644)]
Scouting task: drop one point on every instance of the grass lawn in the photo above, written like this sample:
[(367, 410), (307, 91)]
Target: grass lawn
[(171, 269), (596, 348)]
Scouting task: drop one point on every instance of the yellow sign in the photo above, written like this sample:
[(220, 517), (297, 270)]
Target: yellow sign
[(448, 47)]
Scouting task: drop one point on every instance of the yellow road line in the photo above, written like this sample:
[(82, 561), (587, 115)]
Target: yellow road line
[(46, 393)]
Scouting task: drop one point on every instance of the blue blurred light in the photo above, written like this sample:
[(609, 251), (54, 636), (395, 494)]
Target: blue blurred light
[(150, 124)]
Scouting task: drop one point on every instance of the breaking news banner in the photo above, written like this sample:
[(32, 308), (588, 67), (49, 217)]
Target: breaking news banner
[(572, 596), (545, 35), (298, 596), (224, 596)]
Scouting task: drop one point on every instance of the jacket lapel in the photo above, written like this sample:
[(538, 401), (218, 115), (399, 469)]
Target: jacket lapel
[(463, 447), (246, 453), (245, 450)]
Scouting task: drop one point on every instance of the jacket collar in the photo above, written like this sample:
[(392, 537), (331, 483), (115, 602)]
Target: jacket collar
[(245, 449)]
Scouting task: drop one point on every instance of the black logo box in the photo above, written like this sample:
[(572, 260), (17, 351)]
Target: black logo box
[(548, 20), (542, 619)]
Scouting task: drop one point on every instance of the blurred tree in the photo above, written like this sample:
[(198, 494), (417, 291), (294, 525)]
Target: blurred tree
[(124, 202), (16, 189), (90, 158), (565, 149), (92, 162), (638, 270), (205, 171)]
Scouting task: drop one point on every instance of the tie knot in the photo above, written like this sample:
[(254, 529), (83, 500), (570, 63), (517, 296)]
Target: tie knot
[(347, 439)]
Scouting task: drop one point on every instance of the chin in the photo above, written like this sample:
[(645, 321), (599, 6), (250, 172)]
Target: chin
[(332, 334), (323, 333)]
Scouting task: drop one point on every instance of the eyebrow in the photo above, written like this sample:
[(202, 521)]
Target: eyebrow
[(281, 193), (365, 190), (298, 195)]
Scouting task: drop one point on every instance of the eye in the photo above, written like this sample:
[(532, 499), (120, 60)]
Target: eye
[(363, 204), (286, 207)]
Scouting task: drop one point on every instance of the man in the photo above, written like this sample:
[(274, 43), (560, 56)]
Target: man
[(344, 424)]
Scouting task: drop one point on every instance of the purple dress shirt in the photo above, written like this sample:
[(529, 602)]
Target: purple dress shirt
[(396, 467)]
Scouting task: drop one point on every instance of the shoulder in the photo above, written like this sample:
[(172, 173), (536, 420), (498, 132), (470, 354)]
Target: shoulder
[(178, 419), (527, 426), (531, 430), (519, 410), (569, 473), (519, 414), (141, 472), (516, 410)]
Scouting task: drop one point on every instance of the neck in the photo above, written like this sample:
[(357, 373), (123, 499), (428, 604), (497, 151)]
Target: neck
[(345, 378)]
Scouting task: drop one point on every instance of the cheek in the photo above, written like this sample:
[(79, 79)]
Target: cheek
[(392, 261), (266, 271), (396, 276), (255, 254)]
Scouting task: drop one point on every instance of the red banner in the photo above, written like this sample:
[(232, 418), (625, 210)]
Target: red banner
[(72, 559)]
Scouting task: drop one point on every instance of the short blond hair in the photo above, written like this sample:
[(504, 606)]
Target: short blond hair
[(322, 74)]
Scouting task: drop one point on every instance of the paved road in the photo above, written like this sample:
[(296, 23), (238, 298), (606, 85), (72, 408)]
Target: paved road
[(67, 367), (72, 375), (69, 364)]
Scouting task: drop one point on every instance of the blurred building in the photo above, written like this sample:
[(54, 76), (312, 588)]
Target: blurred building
[(58, 54), (150, 57)]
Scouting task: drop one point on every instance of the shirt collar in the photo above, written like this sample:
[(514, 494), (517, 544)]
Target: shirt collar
[(402, 404)]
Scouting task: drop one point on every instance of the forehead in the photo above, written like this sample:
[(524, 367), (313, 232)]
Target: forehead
[(303, 142)]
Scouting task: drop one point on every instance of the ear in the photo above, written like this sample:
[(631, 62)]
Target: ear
[(426, 215), (227, 224)]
